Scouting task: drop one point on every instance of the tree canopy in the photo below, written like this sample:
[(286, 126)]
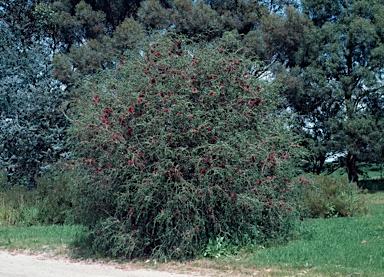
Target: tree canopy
[(32, 123), (328, 54), (340, 80)]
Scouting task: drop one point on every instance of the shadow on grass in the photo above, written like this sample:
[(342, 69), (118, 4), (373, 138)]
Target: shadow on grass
[(81, 247), (372, 185)]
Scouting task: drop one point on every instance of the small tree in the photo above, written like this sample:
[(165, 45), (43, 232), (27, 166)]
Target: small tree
[(182, 144), (32, 124)]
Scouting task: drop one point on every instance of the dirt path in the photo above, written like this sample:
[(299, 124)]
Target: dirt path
[(22, 265)]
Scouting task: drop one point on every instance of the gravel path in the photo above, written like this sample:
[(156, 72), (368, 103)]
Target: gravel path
[(22, 265)]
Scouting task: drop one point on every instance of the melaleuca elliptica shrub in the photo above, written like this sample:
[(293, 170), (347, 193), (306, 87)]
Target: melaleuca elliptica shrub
[(182, 144)]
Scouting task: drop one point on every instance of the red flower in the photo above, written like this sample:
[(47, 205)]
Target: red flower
[(130, 162), (165, 110), (193, 63), (211, 93), (131, 109), (96, 99), (139, 100), (153, 80)]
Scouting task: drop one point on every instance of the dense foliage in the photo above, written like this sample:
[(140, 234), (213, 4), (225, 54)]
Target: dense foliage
[(338, 89), (326, 196), (182, 144), (32, 123)]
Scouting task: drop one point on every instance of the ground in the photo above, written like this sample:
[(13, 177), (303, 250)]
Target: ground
[(46, 265)]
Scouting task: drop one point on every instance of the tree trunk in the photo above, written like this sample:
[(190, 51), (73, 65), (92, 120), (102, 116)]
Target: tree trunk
[(351, 168), (320, 164)]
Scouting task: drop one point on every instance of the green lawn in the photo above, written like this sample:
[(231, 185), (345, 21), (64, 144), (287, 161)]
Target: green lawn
[(334, 247), (54, 238)]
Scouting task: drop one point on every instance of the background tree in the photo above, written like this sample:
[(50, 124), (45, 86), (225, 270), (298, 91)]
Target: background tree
[(341, 81), (116, 11), (62, 25), (32, 125)]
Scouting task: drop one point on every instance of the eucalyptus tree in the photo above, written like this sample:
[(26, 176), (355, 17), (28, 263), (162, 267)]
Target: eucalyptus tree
[(32, 123)]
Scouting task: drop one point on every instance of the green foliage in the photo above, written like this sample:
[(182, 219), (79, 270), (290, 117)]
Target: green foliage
[(326, 196), (18, 207), (339, 93), (54, 198), (32, 123), (182, 144), (49, 203), (219, 247), (196, 19), (3, 178), (96, 54)]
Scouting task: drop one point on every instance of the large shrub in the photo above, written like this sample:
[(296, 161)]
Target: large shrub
[(182, 144)]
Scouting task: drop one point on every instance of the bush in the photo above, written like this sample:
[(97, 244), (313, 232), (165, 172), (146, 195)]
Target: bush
[(54, 198), (49, 203), (18, 207), (181, 145), (326, 196), (3, 178)]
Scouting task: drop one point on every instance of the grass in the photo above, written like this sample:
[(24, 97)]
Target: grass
[(54, 238), (334, 247), (17, 207)]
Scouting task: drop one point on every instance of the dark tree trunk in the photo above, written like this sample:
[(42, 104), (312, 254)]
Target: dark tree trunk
[(320, 164), (351, 168)]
